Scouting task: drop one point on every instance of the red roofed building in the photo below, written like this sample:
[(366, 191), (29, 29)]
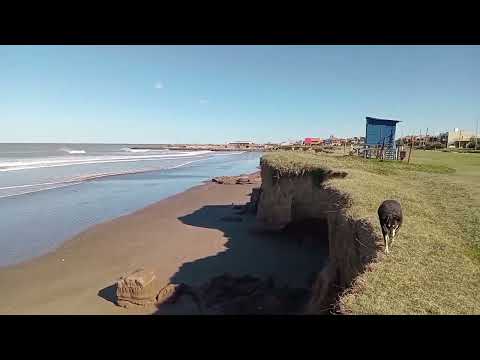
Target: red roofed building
[(312, 141)]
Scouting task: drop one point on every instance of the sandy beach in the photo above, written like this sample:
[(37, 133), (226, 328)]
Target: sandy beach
[(183, 238)]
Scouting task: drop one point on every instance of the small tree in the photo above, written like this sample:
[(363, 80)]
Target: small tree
[(471, 144)]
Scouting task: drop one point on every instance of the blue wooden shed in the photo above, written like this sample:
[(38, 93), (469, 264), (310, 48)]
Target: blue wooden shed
[(380, 132)]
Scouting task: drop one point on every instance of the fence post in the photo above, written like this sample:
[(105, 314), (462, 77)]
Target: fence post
[(410, 152)]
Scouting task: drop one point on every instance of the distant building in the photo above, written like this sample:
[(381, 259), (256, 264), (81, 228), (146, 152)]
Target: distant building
[(312, 141), (443, 138), (356, 140), (241, 144), (334, 141), (459, 138), (439, 140), (291, 142)]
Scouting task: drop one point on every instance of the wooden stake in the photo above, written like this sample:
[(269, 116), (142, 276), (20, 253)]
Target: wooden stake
[(410, 152)]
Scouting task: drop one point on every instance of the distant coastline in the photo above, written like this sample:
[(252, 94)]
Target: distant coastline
[(253, 148)]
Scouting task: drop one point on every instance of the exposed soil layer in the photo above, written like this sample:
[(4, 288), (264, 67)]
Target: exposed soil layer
[(308, 209)]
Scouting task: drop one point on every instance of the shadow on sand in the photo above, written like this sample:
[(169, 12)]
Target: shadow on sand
[(109, 293), (283, 257)]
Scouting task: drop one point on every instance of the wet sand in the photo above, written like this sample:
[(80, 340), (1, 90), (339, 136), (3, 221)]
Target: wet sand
[(183, 238)]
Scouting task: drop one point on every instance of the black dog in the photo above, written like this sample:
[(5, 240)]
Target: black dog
[(391, 218)]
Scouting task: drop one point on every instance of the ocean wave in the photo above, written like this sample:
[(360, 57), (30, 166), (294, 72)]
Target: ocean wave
[(135, 150), (72, 151), (82, 179), (55, 162), (38, 190), (230, 153)]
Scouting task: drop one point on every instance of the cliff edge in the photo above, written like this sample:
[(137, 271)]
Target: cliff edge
[(297, 194)]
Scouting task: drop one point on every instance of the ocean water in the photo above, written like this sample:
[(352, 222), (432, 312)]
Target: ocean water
[(51, 192)]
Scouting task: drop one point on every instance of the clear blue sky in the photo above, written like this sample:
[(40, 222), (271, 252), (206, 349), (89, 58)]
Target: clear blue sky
[(191, 94)]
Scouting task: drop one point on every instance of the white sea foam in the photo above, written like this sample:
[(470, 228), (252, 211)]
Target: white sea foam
[(43, 189), (81, 179), (54, 162), (30, 185), (22, 189), (72, 151), (230, 153), (135, 150)]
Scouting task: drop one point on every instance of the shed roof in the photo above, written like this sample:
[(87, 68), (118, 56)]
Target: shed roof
[(377, 119)]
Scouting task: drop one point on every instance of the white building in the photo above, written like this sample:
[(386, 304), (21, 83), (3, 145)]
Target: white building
[(459, 138)]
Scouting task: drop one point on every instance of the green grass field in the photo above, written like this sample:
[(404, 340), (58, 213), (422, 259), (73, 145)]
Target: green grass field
[(434, 264)]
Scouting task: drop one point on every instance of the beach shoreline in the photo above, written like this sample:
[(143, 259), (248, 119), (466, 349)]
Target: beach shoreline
[(182, 238), (30, 287), (42, 208), (81, 233)]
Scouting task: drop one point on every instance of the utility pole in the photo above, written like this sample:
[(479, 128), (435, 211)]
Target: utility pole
[(476, 135)]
